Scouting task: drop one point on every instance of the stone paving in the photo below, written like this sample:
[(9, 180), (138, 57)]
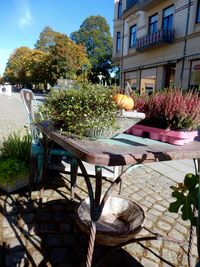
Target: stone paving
[(35, 234), (12, 114)]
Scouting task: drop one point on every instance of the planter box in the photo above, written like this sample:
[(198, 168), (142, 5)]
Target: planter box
[(168, 136), (17, 184)]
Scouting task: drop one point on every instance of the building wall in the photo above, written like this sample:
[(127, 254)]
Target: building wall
[(177, 58)]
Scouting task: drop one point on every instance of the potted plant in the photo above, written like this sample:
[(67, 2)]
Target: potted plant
[(171, 116), (89, 111), (187, 201), (14, 161)]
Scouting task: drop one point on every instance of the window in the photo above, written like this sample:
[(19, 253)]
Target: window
[(153, 23), (195, 74), (198, 12), (118, 43), (132, 39), (119, 9), (168, 18)]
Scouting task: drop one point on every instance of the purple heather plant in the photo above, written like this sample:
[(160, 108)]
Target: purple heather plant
[(172, 108)]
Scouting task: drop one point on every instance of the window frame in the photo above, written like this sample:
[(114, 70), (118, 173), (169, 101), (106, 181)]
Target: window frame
[(118, 42), (153, 23), (119, 10), (167, 17), (198, 12), (132, 44)]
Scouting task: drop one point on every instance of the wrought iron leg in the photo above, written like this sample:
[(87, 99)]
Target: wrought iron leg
[(73, 174), (91, 244), (96, 203), (45, 162)]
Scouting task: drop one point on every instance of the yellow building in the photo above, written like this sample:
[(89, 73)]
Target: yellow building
[(157, 43)]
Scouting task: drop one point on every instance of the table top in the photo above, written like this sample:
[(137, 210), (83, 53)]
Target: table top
[(123, 149)]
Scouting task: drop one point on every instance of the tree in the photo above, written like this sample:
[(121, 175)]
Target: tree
[(17, 68), (94, 34), (38, 66), (46, 39), (65, 58), (59, 57)]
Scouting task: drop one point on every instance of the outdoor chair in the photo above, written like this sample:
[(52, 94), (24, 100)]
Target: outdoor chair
[(37, 149)]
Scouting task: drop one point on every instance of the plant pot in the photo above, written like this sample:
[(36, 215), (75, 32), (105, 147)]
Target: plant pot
[(124, 121), (16, 184), (179, 137)]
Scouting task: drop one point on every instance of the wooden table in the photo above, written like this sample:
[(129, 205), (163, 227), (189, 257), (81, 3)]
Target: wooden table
[(121, 150)]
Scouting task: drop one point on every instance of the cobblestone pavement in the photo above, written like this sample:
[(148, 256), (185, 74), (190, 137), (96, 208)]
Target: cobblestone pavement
[(46, 235), (12, 114)]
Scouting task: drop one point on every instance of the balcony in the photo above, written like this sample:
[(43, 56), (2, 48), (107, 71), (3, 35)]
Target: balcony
[(130, 3), (148, 4), (153, 39)]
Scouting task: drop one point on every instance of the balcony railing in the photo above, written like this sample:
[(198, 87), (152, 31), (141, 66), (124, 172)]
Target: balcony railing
[(155, 38), (130, 3), (148, 4)]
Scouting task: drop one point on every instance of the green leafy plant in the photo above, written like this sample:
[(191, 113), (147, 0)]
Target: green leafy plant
[(77, 110), (186, 195), (14, 157), (12, 170), (16, 146)]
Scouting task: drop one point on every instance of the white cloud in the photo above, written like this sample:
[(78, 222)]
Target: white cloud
[(25, 16)]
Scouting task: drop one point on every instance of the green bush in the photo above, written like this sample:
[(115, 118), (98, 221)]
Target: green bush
[(77, 110), (14, 157), (16, 146), (12, 170)]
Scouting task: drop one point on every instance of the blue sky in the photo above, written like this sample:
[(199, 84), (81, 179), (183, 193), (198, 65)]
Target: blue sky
[(22, 20)]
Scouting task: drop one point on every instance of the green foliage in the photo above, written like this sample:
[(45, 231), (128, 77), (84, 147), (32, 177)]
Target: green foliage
[(11, 170), (186, 195), (14, 158), (78, 110), (56, 57), (17, 70), (65, 58), (16, 146), (46, 39), (94, 34)]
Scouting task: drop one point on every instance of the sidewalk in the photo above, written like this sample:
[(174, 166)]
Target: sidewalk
[(32, 235)]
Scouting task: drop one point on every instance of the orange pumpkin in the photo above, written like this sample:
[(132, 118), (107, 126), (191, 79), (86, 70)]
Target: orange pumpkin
[(124, 101)]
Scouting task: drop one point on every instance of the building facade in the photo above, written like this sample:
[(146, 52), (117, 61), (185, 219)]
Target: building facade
[(157, 43)]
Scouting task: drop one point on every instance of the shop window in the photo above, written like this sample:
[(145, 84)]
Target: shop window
[(195, 75), (153, 23), (130, 78), (170, 70), (132, 39), (168, 18), (148, 81)]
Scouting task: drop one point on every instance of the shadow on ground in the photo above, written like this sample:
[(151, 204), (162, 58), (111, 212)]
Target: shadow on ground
[(46, 234)]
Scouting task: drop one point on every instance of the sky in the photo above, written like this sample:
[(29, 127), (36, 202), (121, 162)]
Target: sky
[(21, 21)]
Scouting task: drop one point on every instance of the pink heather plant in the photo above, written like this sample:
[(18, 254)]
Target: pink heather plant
[(174, 108)]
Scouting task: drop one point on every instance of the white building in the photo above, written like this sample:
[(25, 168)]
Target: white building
[(157, 43)]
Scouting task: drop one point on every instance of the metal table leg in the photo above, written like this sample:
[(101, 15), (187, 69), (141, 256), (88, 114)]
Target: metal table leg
[(73, 174), (96, 203), (45, 163)]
